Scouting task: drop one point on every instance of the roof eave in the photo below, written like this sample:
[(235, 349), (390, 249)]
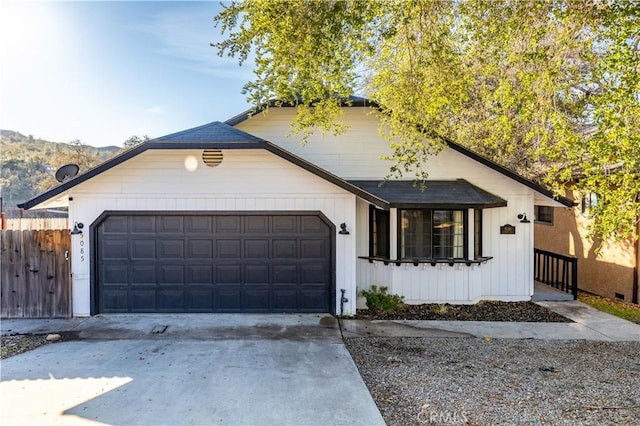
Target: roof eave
[(509, 173), (453, 145), (456, 206), (352, 101)]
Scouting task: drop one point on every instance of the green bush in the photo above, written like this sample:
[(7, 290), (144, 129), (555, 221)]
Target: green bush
[(378, 299)]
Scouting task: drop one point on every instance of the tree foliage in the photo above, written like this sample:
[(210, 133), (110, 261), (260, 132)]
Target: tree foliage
[(135, 140), (550, 88)]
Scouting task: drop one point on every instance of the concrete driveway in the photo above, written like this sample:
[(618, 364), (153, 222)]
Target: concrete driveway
[(200, 369)]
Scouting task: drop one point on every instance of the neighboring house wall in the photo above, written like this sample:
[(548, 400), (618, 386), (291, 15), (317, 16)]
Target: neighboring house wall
[(356, 155), (607, 272), (247, 180)]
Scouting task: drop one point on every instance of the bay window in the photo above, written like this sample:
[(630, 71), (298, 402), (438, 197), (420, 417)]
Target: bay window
[(432, 234)]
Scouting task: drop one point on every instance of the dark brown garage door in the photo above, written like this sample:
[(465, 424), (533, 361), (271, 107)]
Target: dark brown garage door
[(213, 263)]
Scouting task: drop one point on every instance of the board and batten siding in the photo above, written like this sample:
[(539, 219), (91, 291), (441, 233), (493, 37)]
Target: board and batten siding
[(356, 155), (247, 180)]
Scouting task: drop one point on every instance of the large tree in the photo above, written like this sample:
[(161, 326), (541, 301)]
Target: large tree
[(549, 88)]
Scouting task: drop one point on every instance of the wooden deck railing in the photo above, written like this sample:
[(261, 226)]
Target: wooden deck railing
[(556, 270)]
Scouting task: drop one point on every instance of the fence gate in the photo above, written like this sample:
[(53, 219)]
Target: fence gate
[(35, 274)]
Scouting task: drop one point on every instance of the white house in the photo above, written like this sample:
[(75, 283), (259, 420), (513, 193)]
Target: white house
[(238, 217)]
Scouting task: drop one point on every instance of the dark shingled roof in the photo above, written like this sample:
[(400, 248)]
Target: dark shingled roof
[(217, 135), (214, 135), (212, 132), (351, 101), (436, 193)]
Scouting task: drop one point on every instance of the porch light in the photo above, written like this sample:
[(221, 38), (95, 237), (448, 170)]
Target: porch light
[(77, 228), (523, 218), (343, 229)]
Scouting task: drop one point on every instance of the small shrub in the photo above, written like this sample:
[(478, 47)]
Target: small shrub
[(378, 300), (439, 309)]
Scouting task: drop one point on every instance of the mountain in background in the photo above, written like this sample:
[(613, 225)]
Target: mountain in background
[(28, 164)]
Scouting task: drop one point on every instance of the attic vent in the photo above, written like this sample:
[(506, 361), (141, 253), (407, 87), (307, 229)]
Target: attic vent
[(212, 157)]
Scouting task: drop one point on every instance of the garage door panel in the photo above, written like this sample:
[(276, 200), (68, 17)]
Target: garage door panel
[(198, 225), (285, 249), (312, 225), (314, 274), (200, 249), (143, 300), (200, 274), (284, 274), (229, 274), (115, 249), (256, 224), (228, 224), (214, 263), (314, 249), (256, 299), (256, 249), (171, 249), (171, 300), (143, 274), (116, 225), (228, 299), (228, 249), (114, 300), (170, 274), (170, 225), (114, 274), (310, 300), (256, 274), (142, 224), (143, 249), (284, 299), (285, 224), (199, 299)]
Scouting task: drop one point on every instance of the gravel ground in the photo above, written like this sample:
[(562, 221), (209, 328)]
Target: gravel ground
[(488, 381), (481, 311), (19, 343)]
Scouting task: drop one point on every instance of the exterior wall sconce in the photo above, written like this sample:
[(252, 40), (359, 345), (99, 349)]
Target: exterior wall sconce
[(343, 229), (523, 218), (77, 228)]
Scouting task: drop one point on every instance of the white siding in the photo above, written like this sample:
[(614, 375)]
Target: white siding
[(352, 155), (247, 180), (255, 180)]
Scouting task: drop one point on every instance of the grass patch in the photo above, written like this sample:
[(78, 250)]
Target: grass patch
[(624, 310)]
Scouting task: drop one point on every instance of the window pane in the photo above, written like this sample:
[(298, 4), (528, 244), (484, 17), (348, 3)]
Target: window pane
[(415, 234), (477, 231), (448, 234), (380, 233), (544, 214)]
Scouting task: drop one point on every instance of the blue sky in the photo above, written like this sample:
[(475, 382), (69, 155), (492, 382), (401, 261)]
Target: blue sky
[(103, 71)]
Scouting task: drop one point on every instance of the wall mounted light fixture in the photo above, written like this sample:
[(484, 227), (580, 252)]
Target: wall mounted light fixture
[(523, 218), (343, 229), (77, 228)]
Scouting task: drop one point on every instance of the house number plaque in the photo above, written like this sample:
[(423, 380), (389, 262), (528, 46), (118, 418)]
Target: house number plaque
[(507, 229)]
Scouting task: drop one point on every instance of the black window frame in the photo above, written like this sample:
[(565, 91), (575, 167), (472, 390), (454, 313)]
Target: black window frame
[(377, 216), (477, 233), (543, 218), (465, 231)]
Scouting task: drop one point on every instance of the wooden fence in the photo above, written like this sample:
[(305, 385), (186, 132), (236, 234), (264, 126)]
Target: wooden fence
[(34, 223), (35, 274)]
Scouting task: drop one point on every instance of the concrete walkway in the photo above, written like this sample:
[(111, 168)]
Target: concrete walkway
[(589, 324), (186, 369), (543, 292)]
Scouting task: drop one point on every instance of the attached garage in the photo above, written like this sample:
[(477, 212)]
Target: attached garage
[(213, 262)]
